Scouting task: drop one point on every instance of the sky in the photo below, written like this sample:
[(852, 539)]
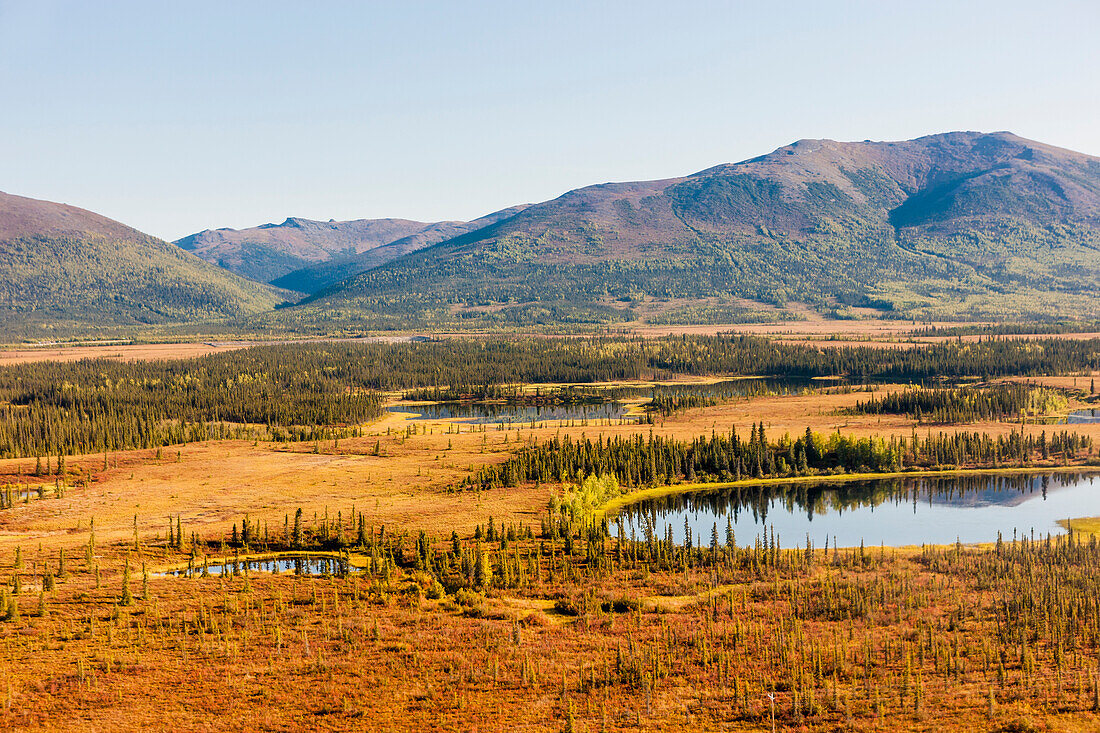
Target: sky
[(178, 117)]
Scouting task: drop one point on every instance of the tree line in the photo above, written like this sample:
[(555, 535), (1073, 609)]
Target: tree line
[(95, 405), (1010, 400), (638, 461)]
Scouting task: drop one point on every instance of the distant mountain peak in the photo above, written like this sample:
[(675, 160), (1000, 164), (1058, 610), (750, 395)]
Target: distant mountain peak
[(962, 224), (306, 253), (826, 223)]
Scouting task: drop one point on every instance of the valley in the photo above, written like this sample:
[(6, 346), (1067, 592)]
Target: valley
[(556, 368), (472, 600)]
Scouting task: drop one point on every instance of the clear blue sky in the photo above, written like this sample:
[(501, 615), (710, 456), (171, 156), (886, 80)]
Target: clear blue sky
[(176, 117)]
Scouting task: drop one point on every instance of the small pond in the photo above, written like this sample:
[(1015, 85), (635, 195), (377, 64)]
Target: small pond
[(1078, 417), (497, 413), (728, 389), (897, 511), (607, 404), (298, 565), (23, 494)]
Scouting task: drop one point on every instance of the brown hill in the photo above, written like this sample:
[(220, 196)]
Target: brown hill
[(961, 224), (64, 268)]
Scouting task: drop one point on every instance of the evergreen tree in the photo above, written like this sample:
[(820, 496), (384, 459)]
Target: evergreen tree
[(296, 538), (126, 598)]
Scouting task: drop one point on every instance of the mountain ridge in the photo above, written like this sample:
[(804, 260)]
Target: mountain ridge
[(961, 219), (268, 251), (306, 254), (315, 277), (953, 226)]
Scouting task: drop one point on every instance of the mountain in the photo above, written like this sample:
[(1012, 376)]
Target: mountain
[(316, 277), (958, 225), (63, 267), (269, 251), (306, 255)]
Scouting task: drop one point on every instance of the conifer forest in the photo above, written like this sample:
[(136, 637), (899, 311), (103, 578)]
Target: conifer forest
[(707, 532)]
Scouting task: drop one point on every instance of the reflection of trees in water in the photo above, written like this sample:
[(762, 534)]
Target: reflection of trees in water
[(825, 498), (299, 565), (726, 389), (605, 403), (516, 413)]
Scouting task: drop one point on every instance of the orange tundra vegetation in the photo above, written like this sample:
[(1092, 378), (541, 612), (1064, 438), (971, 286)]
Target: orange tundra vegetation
[(131, 598)]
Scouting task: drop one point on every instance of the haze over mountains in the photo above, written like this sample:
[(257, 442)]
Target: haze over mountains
[(958, 225), (306, 255)]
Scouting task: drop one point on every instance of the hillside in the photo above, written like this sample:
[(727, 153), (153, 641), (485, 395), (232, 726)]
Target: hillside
[(957, 225), (313, 278), (62, 267), (269, 251), (307, 255)]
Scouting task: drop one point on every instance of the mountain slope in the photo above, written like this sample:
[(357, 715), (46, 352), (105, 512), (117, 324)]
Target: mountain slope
[(62, 266), (313, 278), (306, 255), (960, 224), (269, 251)]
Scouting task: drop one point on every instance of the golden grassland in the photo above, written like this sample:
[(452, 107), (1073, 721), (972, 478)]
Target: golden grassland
[(122, 352), (817, 331), (1082, 525), (366, 652), (667, 650), (216, 483)]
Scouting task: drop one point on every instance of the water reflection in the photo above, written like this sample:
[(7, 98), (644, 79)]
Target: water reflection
[(495, 413), (1078, 417), (606, 404), (298, 565), (898, 511), (728, 389)]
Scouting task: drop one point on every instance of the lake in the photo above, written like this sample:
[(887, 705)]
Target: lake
[(897, 511)]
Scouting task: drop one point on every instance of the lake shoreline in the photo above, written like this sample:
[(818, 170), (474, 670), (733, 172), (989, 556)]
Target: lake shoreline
[(617, 504)]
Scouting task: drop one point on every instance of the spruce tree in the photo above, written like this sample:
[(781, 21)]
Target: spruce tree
[(126, 598)]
